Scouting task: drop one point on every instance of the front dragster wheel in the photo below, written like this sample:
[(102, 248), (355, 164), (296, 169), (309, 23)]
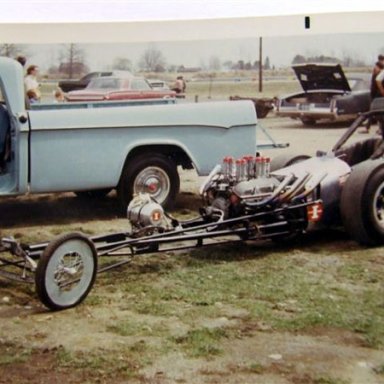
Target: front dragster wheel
[(362, 203), (66, 271), (285, 160)]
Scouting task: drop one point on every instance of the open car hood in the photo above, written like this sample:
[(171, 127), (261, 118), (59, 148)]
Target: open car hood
[(321, 76)]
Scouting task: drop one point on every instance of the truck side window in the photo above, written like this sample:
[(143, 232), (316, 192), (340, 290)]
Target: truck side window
[(4, 135)]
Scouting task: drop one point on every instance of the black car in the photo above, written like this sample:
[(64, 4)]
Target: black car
[(328, 94), (74, 85)]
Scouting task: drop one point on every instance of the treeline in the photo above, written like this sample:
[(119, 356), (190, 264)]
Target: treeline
[(70, 60), (347, 61)]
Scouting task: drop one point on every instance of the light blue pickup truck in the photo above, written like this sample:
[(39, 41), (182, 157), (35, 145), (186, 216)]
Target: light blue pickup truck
[(92, 148)]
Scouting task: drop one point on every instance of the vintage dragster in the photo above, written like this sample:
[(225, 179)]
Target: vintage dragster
[(246, 199)]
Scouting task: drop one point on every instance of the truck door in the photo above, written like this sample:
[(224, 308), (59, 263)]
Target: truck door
[(14, 130), (5, 138), (8, 181), (7, 170)]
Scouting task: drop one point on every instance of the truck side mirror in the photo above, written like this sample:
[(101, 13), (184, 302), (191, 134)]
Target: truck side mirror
[(23, 119)]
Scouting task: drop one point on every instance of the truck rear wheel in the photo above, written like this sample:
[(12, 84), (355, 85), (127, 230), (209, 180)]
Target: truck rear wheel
[(151, 173), (362, 203)]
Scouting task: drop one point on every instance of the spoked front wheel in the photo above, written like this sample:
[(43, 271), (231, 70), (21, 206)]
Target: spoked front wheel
[(66, 271)]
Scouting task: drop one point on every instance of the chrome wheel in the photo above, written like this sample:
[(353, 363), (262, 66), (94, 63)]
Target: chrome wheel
[(66, 271), (152, 173), (362, 202), (378, 206), (154, 181)]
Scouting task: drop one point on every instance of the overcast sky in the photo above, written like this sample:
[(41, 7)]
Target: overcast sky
[(280, 50)]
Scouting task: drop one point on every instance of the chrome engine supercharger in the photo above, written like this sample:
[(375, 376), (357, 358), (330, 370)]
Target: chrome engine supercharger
[(144, 211), (226, 186), (234, 182)]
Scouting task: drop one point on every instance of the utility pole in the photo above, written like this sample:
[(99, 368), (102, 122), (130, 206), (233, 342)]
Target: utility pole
[(260, 64)]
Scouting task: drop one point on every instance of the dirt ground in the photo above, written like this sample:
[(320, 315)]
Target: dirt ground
[(39, 346)]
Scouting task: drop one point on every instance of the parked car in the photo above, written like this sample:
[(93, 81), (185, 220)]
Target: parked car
[(328, 94), (158, 84), (118, 88), (73, 85), (163, 85), (262, 105)]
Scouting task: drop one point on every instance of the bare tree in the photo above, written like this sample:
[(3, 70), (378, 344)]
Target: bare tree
[(228, 64), (214, 63), (72, 60), (267, 63), (152, 60), (10, 50), (122, 63)]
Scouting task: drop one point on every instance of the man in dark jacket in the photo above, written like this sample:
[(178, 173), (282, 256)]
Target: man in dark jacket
[(375, 87), (379, 66)]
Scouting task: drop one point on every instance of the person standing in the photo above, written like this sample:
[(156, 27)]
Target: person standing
[(379, 83), (179, 85), (30, 81), (59, 95), (32, 97), (375, 87), (21, 59), (184, 84)]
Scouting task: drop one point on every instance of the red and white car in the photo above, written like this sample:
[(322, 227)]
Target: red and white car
[(118, 88)]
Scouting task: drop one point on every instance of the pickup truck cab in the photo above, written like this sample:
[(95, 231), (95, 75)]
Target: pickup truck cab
[(92, 148)]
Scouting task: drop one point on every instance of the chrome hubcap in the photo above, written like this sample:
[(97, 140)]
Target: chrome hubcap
[(154, 181), (69, 271), (378, 205)]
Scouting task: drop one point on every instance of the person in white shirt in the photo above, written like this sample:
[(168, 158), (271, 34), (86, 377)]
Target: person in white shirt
[(376, 88), (30, 81)]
